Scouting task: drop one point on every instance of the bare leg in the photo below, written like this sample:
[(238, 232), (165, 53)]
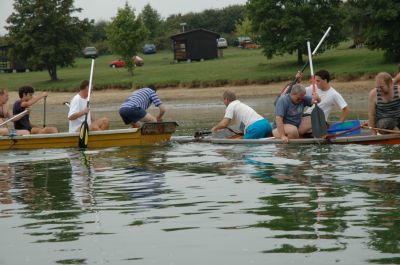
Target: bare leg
[(305, 125), (290, 131), (148, 118), (4, 131), (100, 124)]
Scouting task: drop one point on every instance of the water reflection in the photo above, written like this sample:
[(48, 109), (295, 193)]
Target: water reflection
[(314, 204)]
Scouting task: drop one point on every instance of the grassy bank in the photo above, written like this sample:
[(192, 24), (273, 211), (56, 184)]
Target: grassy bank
[(236, 67)]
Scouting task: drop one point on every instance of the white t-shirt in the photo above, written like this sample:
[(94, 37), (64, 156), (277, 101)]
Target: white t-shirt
[(329, 99), (77, 105), (240, 112)]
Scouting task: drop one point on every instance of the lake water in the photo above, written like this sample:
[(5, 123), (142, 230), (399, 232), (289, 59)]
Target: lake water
[(197, 203)]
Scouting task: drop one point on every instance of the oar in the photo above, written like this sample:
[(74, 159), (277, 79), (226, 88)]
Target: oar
[(14, 117), (288, 88), (84, 130), (379, 129), (200, 134), (44, 112), (318, 122)]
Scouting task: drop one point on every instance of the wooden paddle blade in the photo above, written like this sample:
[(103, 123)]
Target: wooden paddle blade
[(84, 135), (318, 122)]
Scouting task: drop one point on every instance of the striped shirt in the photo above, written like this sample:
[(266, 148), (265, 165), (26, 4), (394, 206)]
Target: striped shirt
[(142, 98), (388, 109)]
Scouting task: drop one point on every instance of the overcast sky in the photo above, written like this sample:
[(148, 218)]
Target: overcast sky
[(105, 9)]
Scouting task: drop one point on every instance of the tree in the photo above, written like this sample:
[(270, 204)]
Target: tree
[(381, 21), (244, 28), (284, 25), (126, 35), (152, 21), (45, 35)]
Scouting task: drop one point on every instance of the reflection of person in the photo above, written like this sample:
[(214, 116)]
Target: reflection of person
[(78, 109), (384, 103), (133, 110), (6, 114), (329, 99), (25, 102), (289, 111), (255, 125)]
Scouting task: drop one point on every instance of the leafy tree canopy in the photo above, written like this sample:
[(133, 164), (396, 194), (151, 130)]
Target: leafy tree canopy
[(45, 34), (126, 35), (381, 23), (284, 25)]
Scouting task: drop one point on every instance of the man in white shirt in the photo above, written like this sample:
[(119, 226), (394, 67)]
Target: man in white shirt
[(255, 126), (78, 109), (329, 98)]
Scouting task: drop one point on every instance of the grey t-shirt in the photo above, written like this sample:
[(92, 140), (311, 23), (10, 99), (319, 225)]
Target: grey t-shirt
[(291, 112)]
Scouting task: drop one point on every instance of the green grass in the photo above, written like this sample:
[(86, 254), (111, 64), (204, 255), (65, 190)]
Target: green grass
[(236, 67)]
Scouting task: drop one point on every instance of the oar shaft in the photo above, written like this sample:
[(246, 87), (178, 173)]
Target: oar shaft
[(321, 41), (379, 129), (14, 117), (90, 82)]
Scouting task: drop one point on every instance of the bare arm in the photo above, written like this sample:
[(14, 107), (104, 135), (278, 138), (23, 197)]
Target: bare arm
[(281, 129), (161, 113), (345, 113), (76, 115), (221, 125), (29, 103), (372, 109)]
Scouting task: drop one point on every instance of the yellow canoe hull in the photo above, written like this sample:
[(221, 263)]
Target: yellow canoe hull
[(149, 134)]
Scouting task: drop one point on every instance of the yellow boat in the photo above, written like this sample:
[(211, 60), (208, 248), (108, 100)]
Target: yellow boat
[(148, 134)]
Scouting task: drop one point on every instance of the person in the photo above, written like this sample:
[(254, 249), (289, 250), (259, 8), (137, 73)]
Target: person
[(133, 110), (78, 109), (289, 111), (330, 98), (255, 126), (5, 114), (384, 103), (25, 102)]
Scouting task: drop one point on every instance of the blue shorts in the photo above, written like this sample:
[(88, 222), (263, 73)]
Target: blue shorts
[(259, 129), (132, 115)]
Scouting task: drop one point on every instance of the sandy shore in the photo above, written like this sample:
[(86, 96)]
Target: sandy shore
[(359, 88)]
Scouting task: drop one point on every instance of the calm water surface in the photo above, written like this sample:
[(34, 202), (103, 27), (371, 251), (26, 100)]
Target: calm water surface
[(201, 204)]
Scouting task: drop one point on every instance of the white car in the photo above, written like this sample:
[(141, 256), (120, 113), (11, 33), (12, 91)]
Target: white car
[(222, 43)]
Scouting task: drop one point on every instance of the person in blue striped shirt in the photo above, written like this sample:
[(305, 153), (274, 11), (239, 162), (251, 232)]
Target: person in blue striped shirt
[(134, 109)]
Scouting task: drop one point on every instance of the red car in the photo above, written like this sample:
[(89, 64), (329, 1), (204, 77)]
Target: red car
[(117, 63), (121, 63)]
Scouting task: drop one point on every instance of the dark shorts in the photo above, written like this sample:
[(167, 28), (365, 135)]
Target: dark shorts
[(132, 115), (388, 124)]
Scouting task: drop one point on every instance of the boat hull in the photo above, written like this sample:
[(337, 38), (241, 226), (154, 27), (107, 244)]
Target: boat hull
[(150, 133), (388, 139)]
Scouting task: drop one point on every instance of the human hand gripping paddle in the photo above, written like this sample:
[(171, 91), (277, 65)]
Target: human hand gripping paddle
[(286, 90), (84, 130), (318, 122)]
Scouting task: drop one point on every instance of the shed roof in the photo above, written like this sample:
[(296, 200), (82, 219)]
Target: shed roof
[(194, 31)]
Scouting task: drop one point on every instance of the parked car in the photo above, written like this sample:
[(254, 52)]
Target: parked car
[(138, 61), (222, 43), (117, 63), (240, 41), (90, 52), (149, 48)]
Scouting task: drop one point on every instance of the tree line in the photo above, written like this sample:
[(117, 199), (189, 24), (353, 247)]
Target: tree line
[(47, 35)]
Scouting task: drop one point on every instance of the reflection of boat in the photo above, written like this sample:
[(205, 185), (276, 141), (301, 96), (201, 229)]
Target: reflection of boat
[(351, 139), (149, 133)]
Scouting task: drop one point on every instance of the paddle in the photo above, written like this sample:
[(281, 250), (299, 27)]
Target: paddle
[(84, 130), (14, 117), (287, 89), (318, 122), (201, 134), (44, 112)]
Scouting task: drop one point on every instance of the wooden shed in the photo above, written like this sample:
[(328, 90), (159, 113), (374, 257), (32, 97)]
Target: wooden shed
[(196, 44)]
